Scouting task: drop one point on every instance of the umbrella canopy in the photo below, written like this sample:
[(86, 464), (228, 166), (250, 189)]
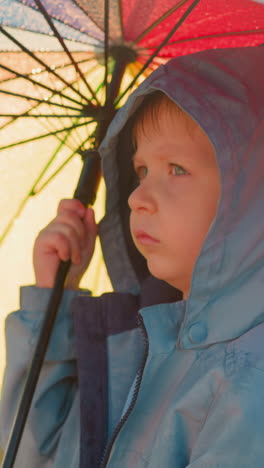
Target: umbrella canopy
[(65, 65)]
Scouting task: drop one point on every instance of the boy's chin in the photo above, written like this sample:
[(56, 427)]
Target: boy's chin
[(161, 273), (171, 277)]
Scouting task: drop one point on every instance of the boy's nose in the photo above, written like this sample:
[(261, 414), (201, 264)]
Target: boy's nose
[(141, 200)]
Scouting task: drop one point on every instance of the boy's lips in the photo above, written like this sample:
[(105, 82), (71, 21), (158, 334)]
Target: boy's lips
[(144, 238)]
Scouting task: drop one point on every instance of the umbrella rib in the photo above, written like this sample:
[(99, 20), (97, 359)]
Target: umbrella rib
[(26, 113), (106, 49), (39, 137), (54, 174), (72, 26), (159, 20), (41, 101), (58, 67), (16, 116), (163, 43), (121, 18), (225, 34), (50, 124), (62, 143), (59, 116), (61, 41), (86, 14), (31, 54), (41, 85), (31, 192), (34, 192), (92, 114)]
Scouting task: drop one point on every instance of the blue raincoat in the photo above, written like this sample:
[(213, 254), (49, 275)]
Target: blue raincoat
[(140, 377)]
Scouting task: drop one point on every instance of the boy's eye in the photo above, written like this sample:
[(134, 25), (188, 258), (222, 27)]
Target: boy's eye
[(177, 170), (141, 172)]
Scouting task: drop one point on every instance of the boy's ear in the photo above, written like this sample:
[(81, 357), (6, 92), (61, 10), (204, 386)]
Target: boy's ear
[(127, 182)]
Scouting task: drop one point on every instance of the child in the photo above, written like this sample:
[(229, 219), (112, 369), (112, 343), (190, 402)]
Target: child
[(170, 366)]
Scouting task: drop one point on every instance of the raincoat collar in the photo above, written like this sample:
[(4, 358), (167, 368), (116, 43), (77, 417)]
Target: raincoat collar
[(222, 90)]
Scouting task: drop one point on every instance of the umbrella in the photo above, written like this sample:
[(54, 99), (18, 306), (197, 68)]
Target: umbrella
[(66, 67), (63, 63)]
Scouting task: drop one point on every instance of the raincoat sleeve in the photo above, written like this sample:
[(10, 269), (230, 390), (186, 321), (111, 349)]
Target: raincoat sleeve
[(57, 384), (232, 435)]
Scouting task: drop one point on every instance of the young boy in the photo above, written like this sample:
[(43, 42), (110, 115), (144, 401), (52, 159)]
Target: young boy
[(170, 366)]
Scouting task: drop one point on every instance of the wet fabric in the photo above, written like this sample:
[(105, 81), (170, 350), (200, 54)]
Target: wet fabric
[(142, 24)]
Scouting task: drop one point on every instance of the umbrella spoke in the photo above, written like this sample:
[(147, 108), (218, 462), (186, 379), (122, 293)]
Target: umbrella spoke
[(224, 34), (37, 59), (39, 137), (70, 144), (59, 37), (32, 191), (119, 6), (159, 20), (39, 189), (50, 124), (163, 43), (106, 49), (27, 114), (248, 32), (41, 101), (17, 116), (42, 71), (80, 6), (27, 78), (76, 136), (47, 116), (36, 106)]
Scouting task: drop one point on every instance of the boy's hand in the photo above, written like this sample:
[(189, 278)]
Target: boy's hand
[(71, 235)]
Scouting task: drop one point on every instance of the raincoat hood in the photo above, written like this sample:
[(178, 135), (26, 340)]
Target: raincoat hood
[(222, 90)]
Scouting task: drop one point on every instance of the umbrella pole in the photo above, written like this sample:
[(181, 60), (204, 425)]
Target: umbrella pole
[(86, 193)]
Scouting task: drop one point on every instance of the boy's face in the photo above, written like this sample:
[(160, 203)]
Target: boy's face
[(176, 200)]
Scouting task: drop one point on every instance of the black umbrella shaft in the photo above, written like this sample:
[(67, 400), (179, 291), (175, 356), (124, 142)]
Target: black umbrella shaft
[(35, 367), (85, 192)]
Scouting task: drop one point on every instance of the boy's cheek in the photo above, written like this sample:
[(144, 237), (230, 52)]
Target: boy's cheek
[(131, 224)]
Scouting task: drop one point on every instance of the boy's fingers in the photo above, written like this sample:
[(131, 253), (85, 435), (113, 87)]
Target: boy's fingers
[(72, 205), (89, 221), (86, 228), (71, 219), (64, 241), (91, 232)]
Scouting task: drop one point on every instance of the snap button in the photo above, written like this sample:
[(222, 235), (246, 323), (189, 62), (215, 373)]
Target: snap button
[(197, 332)]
